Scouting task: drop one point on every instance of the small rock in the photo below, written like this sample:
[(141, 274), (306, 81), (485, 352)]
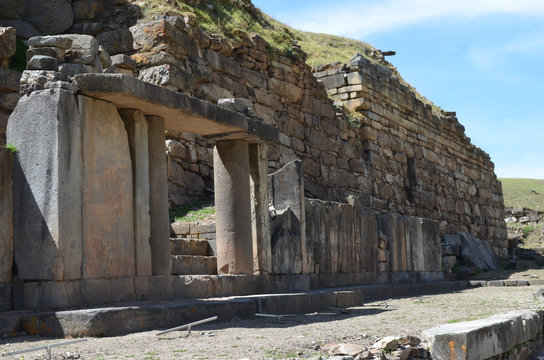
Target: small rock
[(387, 343), (410, 340)]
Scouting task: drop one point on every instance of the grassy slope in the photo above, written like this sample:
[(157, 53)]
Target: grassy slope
[(523, 193)]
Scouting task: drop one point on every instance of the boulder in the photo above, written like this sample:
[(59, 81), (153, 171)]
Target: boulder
[(475, 252), (37, 17)]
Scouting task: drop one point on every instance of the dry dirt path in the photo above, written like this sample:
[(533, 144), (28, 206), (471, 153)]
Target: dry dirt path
[(299, 337)]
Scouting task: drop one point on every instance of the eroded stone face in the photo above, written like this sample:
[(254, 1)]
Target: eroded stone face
[(37, 17), (47, 192), (107, 188)]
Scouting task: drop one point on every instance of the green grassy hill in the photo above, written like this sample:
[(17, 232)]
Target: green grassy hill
[(523, 193)]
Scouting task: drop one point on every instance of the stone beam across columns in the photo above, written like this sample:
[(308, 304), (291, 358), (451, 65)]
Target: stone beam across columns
[(180, 111)]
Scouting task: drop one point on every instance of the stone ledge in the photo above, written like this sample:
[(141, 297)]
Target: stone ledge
[(180, 111), (483, 339), (151, 315)]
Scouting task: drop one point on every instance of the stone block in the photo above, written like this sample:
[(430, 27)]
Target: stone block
[(474, 251), (160, 35), (484, 339), (47, 186), (136, 126), (55, 52), (188, 247), (42, 62), (61, 42), (107, 192), (432, 251), (287, 228), (448, 262), (357, 104), (7, 42), (333, 81), (9, 80), (354, 78), (169, 76), (193, 264), (116, 41)]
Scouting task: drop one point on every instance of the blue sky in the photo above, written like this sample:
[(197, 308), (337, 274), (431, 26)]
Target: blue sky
[(483, 59)]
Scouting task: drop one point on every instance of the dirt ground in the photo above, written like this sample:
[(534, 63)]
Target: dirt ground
[(299, 337)]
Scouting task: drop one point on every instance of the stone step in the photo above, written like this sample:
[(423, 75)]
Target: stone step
[(182, 246), (193, 265)]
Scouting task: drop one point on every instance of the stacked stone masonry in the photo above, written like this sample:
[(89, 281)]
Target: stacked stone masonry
[(401, 158)]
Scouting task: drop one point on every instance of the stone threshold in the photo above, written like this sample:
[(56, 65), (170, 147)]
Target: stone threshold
[(531, 282), (131, 317)]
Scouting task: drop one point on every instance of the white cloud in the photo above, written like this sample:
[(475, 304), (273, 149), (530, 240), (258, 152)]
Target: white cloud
[(492, 57), (359, 18)]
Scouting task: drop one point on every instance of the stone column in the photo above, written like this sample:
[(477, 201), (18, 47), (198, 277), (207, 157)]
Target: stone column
[(232, 207), (136, 125), (260, 219), (158, 184)]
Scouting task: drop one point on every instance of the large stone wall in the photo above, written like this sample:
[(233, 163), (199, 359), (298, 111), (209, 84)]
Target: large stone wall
[(399, 158), (404, 158)]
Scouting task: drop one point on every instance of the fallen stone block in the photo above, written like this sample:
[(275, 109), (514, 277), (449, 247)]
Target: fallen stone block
[(483, 339)]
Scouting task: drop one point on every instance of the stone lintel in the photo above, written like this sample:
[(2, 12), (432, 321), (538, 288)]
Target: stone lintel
[(180, 111)]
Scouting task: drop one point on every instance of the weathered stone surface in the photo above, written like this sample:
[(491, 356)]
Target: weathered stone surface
[(36, 17), (61, 42), (107, 192), (432, 253), (194, 265), (136, 126), (260, 218), (158, 211), (116, 41), (483, 339), (42, 62), (169, 76), (213, 92), (32, 80), (7, 42), (181, 112), (123, 61), (244, 106), (232, 207), (287, 228), (47, 230), (189, 247), (55, 52), (9, 80), (475, 252), (6, 215)]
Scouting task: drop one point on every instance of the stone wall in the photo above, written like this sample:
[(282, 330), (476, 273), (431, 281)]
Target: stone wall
[(397, 153), (404, 158)]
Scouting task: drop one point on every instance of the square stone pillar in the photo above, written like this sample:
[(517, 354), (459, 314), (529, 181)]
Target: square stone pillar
[(46, 130), (260, 218), (233, 207), (136, 125), (107, 208), (158, 210)]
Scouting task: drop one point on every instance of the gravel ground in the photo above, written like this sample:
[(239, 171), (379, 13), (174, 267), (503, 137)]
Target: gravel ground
[(299, 337)]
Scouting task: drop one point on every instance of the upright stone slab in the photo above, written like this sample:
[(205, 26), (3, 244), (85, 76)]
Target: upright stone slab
[(369, 233), (107, 192), (232, 207), (397, 249), (45, 128), (136, 125), (432, 248), (260, 219), (286, 189), (6, 215), (158, 184)]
